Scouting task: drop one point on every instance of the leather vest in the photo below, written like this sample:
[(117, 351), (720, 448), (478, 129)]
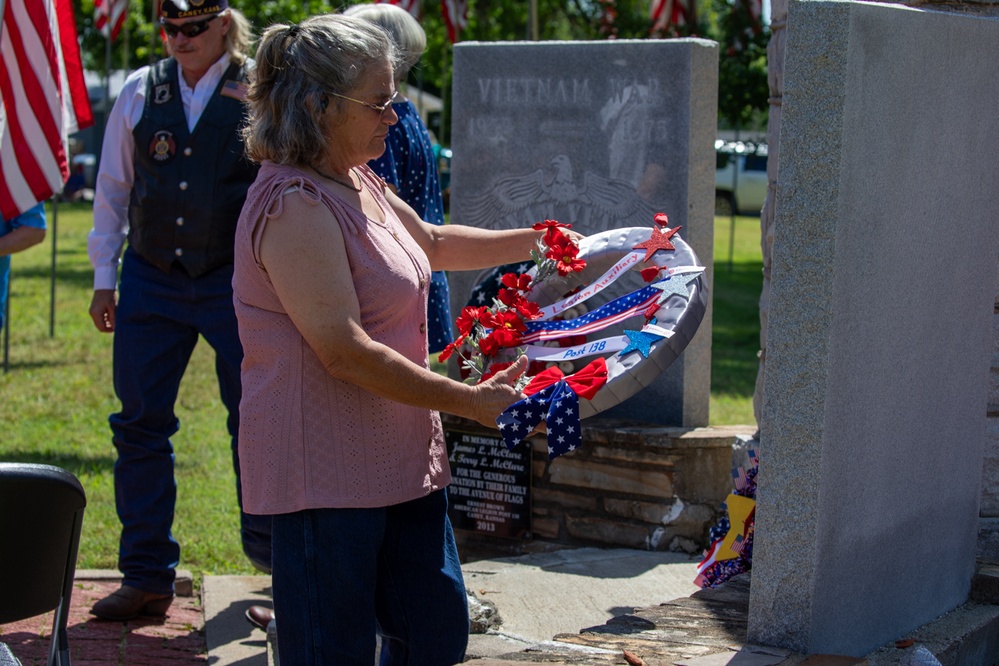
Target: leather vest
[(189, 187)]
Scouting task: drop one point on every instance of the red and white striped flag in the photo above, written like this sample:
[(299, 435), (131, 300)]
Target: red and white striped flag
[(43, 99), (110, 16), (455, 16), (411, 6), (665, 13), (754, 8)]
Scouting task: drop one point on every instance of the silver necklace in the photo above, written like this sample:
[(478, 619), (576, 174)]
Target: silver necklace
[(349, 183)]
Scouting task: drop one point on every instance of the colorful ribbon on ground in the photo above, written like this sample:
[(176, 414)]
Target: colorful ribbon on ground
[(731, 549)]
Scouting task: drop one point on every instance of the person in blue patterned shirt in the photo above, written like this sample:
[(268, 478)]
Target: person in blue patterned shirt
[(18, 234), (408, 164)]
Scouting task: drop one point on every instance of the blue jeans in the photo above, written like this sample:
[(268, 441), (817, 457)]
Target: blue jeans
[(340, 575), (158, 321)]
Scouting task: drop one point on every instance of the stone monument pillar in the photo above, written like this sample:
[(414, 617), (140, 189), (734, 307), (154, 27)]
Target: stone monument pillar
[(884, 277), (601, 135)]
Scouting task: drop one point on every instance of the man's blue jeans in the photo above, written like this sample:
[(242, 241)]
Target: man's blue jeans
[(340, 575), (158, 321)]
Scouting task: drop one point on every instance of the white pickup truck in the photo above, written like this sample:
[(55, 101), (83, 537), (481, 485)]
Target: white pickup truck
[(740, 178)]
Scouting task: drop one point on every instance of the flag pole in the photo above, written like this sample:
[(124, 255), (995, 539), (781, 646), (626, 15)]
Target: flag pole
[(445, 138), (52, 286), (6, 324)]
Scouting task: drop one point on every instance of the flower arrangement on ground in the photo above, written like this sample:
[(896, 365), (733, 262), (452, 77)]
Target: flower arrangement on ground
[(731, 550)]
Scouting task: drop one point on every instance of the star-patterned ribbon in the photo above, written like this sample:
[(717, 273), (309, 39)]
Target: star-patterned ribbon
[(557, 406)]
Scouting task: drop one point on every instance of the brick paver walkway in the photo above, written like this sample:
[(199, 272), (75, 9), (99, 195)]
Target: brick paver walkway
[(177, 640)]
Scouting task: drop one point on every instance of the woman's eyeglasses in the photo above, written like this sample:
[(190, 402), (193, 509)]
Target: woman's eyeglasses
[(189, 30), (380, 108)]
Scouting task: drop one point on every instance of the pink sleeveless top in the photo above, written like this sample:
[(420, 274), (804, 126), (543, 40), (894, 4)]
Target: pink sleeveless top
[(306, 439)]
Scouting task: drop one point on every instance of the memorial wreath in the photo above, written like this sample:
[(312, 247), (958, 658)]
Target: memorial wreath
[(552, 311)]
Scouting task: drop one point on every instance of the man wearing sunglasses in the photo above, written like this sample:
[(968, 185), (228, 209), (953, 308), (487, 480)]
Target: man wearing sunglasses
[(172, 182)]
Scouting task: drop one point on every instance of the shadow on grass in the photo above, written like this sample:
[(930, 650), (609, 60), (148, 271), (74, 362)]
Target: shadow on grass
[(73, 277), (13, 365), (78, 465)]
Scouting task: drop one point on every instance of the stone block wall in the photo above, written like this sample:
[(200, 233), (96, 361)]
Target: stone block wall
[(629, 486)]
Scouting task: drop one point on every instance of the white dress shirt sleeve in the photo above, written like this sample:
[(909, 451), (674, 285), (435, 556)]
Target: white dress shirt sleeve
[(114, 182)]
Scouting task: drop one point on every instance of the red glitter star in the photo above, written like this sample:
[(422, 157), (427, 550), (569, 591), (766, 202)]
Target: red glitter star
[(659, 240)]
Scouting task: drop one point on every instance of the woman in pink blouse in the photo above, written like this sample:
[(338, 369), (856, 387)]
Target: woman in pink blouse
[(340, 437)]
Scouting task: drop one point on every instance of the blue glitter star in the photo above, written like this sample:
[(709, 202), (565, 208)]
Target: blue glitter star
[(639, 341)]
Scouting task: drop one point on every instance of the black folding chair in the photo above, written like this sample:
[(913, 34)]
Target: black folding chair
[(41, 514)]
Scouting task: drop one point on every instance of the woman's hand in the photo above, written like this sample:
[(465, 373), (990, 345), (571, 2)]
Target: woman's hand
[(497, 393)]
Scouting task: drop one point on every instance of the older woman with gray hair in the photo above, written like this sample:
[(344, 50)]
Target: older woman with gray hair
[(340, 437), (408, 164)]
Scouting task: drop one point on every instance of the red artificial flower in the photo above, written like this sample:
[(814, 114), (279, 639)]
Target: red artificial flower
[(552, 235), (651, 273), (565, 255), (521, 282), (506, 329), (469, 316), (507, 320), (527, 309), (517, 301), (508, 297), (498, 338), (447, 351), (550, 224), (488, 346)]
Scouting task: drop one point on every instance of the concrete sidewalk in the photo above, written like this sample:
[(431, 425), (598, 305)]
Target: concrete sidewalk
[(584, 606), (593, 607), (536, 596)]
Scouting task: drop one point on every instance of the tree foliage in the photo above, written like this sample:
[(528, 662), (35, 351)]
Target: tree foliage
[(742, 68)]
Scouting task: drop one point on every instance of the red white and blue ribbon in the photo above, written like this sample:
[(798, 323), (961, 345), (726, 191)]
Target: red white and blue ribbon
[(553, 399), (612, 312), (557, 406), (608, 314)]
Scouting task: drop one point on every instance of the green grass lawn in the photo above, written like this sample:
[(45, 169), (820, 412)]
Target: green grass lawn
[(735, 335), (56, 397)]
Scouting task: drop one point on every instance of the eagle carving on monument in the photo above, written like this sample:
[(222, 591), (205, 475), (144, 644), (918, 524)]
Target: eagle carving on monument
[(595, 204)]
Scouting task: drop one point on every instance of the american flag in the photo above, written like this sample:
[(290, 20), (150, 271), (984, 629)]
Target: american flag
[(755, 10), (234, 89), (664, 13), (608, 314), (455, 16), (43, 99), (110, 16), (558, 406), (739, 478), (411, 6), (738, 543)]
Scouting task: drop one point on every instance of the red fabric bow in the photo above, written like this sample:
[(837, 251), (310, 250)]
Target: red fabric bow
[(585, 383)]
